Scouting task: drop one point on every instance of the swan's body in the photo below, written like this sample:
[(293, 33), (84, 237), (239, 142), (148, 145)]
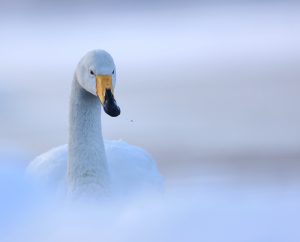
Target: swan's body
[(131, 168), (86, 165)]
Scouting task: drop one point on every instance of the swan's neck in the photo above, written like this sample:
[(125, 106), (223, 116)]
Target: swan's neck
[(87, 166)]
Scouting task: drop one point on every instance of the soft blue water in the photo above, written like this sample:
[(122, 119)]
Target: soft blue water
[(187, 212)]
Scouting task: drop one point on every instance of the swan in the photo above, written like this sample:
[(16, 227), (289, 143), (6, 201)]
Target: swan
[(88, 164)]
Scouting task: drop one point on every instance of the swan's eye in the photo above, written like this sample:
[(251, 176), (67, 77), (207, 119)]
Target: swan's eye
[(113, 72), (92, 72)]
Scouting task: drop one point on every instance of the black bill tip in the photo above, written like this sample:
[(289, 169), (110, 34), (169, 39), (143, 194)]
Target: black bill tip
[(110, 105)]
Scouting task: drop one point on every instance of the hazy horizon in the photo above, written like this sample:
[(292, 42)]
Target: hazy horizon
[(206, 85)]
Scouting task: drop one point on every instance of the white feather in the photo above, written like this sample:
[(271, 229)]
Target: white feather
[(131, 168), (88, 165)]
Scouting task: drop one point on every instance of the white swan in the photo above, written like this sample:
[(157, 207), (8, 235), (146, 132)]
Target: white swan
[(88, 164)]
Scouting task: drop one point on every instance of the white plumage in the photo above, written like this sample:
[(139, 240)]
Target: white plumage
[(88, 165), (131, 168)]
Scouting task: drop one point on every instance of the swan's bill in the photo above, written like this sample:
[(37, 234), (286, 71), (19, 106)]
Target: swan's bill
[(105, 92), (103, 82)]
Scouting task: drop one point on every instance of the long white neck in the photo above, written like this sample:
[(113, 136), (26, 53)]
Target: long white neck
[(87, 165)]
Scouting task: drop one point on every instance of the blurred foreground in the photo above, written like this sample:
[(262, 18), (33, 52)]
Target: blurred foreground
[(183, 213)]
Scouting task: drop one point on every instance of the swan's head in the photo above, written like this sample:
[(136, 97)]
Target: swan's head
[(96, 73)]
